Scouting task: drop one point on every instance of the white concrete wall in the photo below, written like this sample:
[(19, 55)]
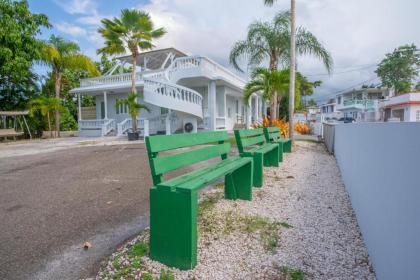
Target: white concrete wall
[(380, 165)]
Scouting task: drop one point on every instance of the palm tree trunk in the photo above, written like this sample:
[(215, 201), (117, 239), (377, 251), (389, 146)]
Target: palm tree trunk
[(292, 67), (49, 124), (273, 105), (133, 86), (57, 95)]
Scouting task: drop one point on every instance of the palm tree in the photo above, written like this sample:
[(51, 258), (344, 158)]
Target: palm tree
[(134, 31), (271, 41), (60, 55), (45, 105), (292, 61), (267, 82), (133, 108)]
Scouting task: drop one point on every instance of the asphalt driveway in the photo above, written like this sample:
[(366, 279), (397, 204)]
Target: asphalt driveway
[(51, 203)]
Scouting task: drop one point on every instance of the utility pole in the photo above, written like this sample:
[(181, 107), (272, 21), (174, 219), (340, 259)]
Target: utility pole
[(292, 67)]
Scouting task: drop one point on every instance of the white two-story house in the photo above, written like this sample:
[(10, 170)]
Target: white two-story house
[(177, 88), (362, 104)]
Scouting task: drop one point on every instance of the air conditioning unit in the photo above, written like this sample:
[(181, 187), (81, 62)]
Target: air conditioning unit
[(189, 125)]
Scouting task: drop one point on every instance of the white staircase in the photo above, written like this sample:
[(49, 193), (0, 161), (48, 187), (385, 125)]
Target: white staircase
[(125, 125)]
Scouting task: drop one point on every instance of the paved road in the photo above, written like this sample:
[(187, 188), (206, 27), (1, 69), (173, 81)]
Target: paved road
[(51, 203)]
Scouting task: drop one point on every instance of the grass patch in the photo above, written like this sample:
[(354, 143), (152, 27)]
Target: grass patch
[(139, 250), (166, 275), (268, 231), (292, 274)]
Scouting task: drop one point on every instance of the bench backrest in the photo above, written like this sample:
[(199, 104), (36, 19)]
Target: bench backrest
[(272, 133), (208, 145), (8, 131), (249, 137)]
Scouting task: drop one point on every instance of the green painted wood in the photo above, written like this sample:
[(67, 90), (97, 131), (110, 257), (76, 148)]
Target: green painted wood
[(272, 134), (173, 228), (211, 175), (199, 172), (251, 141), (173, 203), (166, 163), (161, 143), (250, 132)]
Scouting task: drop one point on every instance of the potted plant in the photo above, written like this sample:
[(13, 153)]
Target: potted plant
[(133, 109)]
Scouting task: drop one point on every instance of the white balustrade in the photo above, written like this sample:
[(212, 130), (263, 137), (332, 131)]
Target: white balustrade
[(110, 79), (173, 96), (124, 126), (108, 126)]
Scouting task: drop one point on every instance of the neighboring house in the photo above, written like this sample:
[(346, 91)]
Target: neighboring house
[(404, 108), (178, 89), (361, 105), (329, 111)]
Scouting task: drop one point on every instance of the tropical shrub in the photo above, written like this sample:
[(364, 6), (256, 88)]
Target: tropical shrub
[(281, 124), (302, 128)]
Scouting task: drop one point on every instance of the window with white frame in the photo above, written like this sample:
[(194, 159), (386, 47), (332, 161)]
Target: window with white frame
[(121, 108), (418, 116)]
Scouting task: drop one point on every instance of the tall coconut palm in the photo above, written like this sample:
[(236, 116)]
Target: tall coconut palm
[(271, 41), (46, 106), (292, 61), (60, 55), (133, 32)]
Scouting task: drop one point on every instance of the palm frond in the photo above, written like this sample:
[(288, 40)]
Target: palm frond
[(308, 44), (80, 62)]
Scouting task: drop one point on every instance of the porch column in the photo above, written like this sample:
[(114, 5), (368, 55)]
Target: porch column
[(257, 108), (212, 105), (79, 105), (105, 105), (248, 114), (168, 123)]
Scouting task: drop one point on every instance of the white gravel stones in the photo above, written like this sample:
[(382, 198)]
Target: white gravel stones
[(307, 192)]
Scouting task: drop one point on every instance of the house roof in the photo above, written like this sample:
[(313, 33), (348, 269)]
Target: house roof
[(154, 58)]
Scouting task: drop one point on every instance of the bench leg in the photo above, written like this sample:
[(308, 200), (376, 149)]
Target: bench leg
[(271, 158), (280, 151), (258, 162), (287, 146), (238, 185), (173, 228)]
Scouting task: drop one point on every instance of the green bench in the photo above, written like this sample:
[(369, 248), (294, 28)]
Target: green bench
[(173, 202), (251, 143), (273, 135)]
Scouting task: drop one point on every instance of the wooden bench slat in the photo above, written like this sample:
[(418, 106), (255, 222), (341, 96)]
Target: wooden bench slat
[(197, 178), (9, 132), (161, 143), (212, 175), (250, 132), (246, 142), (166, 163)]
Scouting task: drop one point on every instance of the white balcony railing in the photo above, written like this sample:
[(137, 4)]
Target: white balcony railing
[(173, 96)]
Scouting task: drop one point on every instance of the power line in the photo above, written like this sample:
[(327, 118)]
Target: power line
[(342, 72)]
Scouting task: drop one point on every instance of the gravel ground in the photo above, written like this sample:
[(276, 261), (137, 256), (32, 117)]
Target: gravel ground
[(300, 225)]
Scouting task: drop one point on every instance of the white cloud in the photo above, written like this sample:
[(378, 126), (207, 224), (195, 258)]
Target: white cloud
[(77, 6), (356, 32), (71, 29)]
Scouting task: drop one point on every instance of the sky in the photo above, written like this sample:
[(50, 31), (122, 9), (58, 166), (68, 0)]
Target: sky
[(357, 33)]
